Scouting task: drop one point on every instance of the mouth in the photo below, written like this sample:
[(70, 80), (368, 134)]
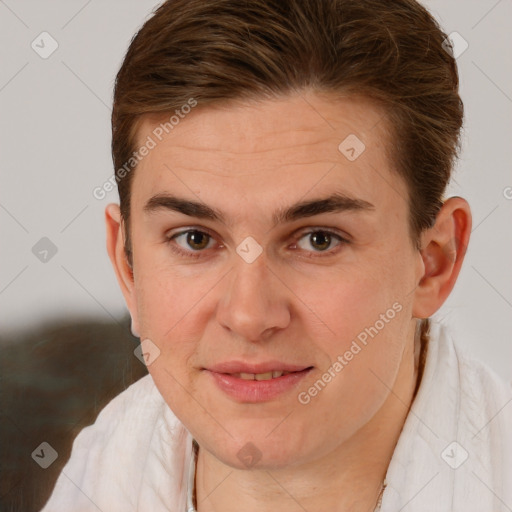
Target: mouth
[(265, 370), (274, 374), (256, 385)]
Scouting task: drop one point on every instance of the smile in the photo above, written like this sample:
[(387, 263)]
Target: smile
[(260, 376), (246, 387)]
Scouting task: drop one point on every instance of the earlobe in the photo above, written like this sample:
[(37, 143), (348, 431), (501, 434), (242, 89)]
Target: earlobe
[(134, 328), (443, 248), (117, 255)]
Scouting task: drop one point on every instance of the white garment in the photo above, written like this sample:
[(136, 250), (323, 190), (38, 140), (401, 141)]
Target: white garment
[(137, 456)]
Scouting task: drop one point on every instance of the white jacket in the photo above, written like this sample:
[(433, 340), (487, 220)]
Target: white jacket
[(137, 456)]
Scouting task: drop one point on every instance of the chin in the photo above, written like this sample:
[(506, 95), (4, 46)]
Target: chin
[(261, 453)]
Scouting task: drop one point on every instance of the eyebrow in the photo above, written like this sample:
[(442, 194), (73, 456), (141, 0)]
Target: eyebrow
[(334, 203)]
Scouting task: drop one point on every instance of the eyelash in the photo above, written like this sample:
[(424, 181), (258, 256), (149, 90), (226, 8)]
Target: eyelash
[(198, 254)]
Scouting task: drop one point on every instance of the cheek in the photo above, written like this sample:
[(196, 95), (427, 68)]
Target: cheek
[(169, 308), (364, 358), (365, 317), (168, 294), (352, 298)]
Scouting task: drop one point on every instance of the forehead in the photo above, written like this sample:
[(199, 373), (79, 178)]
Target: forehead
[(264, 151), (247, 127)]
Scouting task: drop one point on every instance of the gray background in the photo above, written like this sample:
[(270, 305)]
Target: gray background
[(55, 149)]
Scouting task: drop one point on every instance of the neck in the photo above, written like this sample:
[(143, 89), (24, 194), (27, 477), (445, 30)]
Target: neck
[(348, 478)]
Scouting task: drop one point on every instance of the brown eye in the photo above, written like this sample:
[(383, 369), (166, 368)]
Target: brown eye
[(319, 240), (191, 241), (197, 240)]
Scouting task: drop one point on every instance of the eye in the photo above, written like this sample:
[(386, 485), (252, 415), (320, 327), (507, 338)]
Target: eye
[(194, 242), (321, 240), (190, 242)]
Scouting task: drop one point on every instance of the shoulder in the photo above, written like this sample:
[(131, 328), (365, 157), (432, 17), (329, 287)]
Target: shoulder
[(133, 410), (478, 381), (458, 435), (478, 388), (139, 403), (108, 457), (481, 406)]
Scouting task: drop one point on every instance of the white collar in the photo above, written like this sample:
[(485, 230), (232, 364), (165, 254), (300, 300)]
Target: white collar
[(191, 494)]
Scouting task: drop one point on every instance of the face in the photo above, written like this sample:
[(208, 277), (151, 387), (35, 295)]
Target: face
[(299, 258)]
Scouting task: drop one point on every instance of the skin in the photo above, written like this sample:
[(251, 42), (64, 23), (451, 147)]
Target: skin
[(295, 302)]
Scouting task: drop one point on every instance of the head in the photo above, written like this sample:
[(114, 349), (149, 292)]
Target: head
[(260, 115)]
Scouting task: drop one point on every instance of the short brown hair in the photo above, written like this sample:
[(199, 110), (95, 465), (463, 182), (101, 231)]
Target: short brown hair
[(393, 52)]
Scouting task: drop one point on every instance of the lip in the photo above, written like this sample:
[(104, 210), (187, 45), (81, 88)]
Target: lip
[(256, 391), (264, 367)]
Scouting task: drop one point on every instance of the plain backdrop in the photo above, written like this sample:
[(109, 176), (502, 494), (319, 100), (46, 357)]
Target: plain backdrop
[(55, 149)]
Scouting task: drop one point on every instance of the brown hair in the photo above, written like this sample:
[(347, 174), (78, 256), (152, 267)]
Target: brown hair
[(392, 52)]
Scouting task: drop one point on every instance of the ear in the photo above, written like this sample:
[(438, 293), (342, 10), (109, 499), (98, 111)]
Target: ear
[(117, 255), (443, 248)]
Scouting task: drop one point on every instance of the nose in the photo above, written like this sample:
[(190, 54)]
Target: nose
[(254, 302)]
